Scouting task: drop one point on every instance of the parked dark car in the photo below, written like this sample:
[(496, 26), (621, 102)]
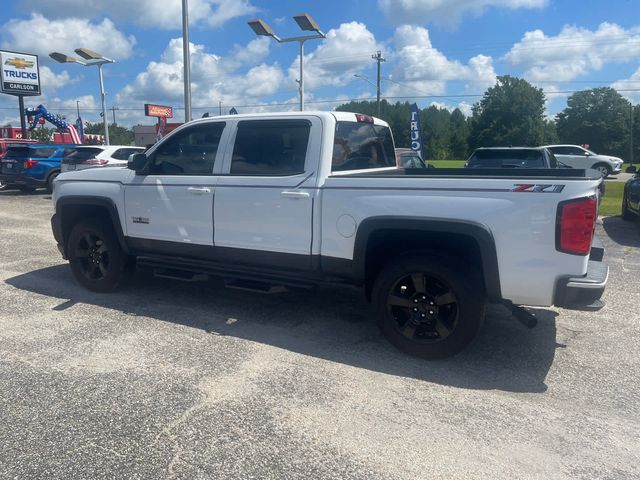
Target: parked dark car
[(631, 198), (33, 166), (408, 158), (513, 157), (4, 145)]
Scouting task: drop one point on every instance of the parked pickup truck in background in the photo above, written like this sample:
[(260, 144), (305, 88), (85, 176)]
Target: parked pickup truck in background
[(300, 199)]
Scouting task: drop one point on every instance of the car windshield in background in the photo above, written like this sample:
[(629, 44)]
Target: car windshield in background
[(507, 158), (362, 145)]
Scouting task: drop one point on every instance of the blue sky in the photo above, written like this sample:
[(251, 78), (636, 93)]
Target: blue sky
[(437, 51)]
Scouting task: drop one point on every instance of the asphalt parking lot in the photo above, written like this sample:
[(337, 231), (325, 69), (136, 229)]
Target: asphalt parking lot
[(172, 380)]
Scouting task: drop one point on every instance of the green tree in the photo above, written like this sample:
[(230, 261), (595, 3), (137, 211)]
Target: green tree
[(459, 135), (598, 117), (42, 134), (510, 113), (550, 133), (117, 135)]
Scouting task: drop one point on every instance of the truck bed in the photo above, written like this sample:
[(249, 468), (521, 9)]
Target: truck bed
[(502, 173)]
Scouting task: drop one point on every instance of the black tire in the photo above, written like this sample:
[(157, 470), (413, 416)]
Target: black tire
[(96, 258), (626, 213), (3, 186), (50, 180), (603, 168), (438, 321)]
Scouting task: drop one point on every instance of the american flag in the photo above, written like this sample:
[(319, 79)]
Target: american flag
[(75, 138)]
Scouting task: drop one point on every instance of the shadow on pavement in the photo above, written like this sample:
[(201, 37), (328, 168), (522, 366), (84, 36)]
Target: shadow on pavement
[(622, 232), (334, 324)]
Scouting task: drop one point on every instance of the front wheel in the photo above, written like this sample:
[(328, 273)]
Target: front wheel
[(429, 304), (50, 180), (96, 258)]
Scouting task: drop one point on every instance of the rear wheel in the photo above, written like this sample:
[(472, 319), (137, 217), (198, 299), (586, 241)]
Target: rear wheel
[(3, 186), (50, 180), (429, 304), (96, 258), (603, 168)]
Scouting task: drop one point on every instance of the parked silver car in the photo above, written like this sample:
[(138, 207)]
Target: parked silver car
[(579, 157)]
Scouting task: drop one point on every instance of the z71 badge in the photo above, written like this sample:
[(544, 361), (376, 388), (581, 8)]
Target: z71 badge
[(140, 220), (539, 188)]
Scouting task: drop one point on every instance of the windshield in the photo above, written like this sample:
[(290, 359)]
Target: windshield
[(510, 158), (362, 145)]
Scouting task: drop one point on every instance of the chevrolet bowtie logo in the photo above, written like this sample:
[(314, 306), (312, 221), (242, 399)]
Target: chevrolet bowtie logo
[(19, 62)]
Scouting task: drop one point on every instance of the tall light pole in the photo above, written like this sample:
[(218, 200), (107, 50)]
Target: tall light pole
[(306, 23), (186, 57), (379, 59), (92, 58)]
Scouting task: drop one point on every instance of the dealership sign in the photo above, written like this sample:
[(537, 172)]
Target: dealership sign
[(20, 74), (160, 111)]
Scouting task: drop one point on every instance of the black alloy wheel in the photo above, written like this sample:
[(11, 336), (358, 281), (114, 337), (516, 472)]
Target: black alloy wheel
[(96, 258), (424, 309), (429, 303)]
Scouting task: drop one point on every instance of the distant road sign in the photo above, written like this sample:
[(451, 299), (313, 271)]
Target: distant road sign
[(161, 111), (20, 74)]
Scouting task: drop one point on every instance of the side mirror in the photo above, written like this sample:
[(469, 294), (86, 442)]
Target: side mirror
[(138, 163)]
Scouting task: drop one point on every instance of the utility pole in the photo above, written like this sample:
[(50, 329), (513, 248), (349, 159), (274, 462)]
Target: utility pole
[(186, 57), (631, 133), (113, 109), (379, 59)]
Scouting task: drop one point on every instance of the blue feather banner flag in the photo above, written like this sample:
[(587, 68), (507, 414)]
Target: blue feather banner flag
[(416, 131)]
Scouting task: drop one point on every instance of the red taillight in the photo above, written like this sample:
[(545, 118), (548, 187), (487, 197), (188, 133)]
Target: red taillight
[(364, 118), (29, 164), (95, 162), (576, 223)]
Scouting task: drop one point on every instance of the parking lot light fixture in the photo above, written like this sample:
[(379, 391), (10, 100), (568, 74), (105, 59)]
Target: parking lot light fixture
[(93, 59), (306, 23)]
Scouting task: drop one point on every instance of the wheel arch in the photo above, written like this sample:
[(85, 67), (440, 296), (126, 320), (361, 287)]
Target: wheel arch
[(70, 210), (377, 237)]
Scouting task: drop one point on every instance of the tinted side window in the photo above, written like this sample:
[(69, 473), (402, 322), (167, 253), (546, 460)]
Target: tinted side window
[(575, 151), (41, 152), (123, 153), (189, 152), (270, 147)]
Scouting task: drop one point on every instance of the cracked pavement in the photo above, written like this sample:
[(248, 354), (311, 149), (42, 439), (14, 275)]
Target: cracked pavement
[(186, 381)]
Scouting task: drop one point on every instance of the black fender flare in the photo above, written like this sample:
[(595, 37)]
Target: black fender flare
[(62, 208), (476, 231)]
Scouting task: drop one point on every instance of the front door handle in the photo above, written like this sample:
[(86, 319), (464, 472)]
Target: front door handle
[(199, 190), (297, 194)]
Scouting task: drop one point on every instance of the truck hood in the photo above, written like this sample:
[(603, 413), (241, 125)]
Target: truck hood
[(99, 174)]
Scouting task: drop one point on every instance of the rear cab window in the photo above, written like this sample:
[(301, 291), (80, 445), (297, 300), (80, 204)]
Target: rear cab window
[(362, 145), (507, 158)]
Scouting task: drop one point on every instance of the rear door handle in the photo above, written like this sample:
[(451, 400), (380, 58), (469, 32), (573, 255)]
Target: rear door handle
[(297, 194), (199, 190)]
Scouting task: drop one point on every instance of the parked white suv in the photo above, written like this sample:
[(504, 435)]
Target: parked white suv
[(90, 156), (578, 157)]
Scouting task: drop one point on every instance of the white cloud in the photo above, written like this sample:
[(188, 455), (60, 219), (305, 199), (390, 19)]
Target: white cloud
[(53, 81), (419, 12), (421, 69), (214, 78), (41, 36), (149, 13), (573, 52), (631, 83), (346, 51)]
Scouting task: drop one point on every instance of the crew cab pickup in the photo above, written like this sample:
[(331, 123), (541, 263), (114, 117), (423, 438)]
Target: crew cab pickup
[(301, 199)]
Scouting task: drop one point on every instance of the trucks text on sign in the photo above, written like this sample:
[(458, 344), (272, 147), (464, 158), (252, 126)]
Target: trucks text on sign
[(19, 73)]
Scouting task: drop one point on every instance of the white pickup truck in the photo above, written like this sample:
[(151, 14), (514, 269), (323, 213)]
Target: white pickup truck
[(301, 199)]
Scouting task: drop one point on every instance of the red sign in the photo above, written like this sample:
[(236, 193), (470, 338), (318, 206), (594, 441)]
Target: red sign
[(151, 110)]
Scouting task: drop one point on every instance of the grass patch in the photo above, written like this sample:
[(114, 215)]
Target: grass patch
[(612, 201), (447, 163)]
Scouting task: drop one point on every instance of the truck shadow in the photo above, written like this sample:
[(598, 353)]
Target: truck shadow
[(334, 324), (622, 232)]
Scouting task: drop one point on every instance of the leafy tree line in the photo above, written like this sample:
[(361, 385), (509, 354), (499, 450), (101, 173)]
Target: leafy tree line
[(511, 113)]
